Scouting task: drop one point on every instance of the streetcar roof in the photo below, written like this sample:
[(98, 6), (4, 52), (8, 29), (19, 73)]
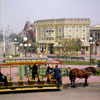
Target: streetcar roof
[(28, 60)]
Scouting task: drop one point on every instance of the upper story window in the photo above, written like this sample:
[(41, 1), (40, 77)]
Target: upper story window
[(59, 30), (49, 29), (73, 27), (76, 28)]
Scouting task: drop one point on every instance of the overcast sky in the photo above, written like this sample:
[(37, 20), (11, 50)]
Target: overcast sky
[(17, 11)]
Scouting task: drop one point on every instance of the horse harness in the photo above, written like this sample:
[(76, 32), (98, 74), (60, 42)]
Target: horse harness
[(85, 71)]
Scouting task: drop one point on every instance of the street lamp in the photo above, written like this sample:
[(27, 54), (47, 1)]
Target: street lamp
[(25, 39), (90, 41), (24, 44), (95, 46), (16, 43)]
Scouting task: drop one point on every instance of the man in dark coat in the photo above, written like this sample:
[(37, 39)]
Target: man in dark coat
[(34, 71), (3, 78), (57, 75)]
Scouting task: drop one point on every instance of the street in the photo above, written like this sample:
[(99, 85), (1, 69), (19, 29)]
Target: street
[(92, 92)]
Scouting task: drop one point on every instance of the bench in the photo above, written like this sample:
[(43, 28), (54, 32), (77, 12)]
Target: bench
[(10, 83), (52, 80), (30, 81), (40, 79), (81, 58), (77, 58), (20, 82), (1, 84), (68, 57)]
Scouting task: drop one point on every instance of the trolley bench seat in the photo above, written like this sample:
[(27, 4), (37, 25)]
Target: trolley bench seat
[(40, 80)]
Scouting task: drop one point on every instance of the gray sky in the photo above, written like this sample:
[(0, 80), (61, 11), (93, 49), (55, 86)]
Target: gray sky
[(17, 11)]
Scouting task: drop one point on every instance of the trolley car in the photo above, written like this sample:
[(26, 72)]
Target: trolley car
[(19, 75)]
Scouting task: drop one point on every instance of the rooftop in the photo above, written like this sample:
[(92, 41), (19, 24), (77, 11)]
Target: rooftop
[(63, 21)]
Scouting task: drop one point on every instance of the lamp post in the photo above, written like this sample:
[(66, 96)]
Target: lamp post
[(29, 45), (24, 44), (3, 29), (95, 46), (90, 41), (15, 42)]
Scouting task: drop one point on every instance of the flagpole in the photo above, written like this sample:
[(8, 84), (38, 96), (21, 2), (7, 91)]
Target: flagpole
[(3, 28)]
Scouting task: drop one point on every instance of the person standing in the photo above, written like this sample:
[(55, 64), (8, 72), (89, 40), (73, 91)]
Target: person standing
[(48, 72), (3, 78), (34, 71), (57, 75)]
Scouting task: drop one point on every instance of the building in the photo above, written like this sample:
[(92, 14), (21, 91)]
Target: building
[(95, 34), (48, 30), (28, 31)]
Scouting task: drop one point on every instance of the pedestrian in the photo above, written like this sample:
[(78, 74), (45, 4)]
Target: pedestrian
[(57, 75)]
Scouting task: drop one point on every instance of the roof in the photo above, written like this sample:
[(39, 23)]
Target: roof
[(28, 60), (95, 27), (63, 21)]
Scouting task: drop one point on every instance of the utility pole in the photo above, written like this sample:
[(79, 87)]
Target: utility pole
[(3, 28)]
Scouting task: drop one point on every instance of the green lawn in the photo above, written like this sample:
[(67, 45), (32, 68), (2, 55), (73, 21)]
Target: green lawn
[(67, 62)]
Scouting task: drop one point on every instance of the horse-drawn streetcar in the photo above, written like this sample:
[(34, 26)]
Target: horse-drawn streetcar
[(16, 74)]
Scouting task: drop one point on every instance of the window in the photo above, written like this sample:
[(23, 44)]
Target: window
[(69, 30), (86, 48), (91, 34), (73, 27), (76, 28), (60, 30)]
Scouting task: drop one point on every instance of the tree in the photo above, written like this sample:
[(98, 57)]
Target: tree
[(67, 45), (58, 47)]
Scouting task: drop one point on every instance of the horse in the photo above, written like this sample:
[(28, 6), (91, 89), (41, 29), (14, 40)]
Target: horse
[(80, 73), (3, 79), (91, 70)]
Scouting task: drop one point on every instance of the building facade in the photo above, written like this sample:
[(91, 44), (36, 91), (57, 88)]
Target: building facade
[(95, 34), (48, 30), (28, 31)]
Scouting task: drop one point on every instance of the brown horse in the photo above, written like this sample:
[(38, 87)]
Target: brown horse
[(92, 70), (80, 73)]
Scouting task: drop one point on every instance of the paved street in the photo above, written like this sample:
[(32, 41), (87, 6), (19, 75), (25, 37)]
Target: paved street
[(92, 92)]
